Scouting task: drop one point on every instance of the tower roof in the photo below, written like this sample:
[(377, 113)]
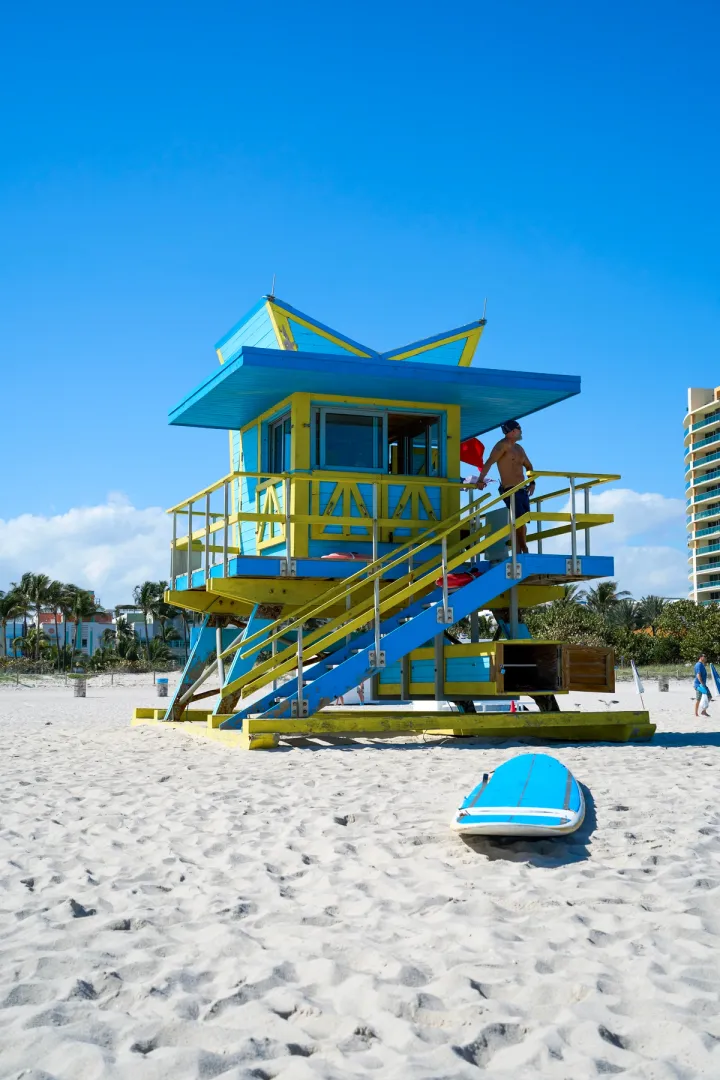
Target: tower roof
[(256, 379), (275, 324)]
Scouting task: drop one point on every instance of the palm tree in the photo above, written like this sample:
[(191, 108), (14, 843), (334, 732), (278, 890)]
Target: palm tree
[(126, 641), (187, 621), (165, 613), (123, 629), (624, 615), (148, 598), (36, 589), (11, 608), (603, 598), (82, 608), (571, 595), (20, 588), (31, 643), (158, 651), (650, 609), (54, 600), (65, 606)]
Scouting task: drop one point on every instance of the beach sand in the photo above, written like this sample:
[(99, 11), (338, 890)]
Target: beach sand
[(170, 908)]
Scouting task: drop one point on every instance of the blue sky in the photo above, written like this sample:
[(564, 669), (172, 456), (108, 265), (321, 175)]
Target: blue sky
[(393, 165)]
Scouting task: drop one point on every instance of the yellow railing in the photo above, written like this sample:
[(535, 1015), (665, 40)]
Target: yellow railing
[(462, 537), (283, 516), (217, 539)]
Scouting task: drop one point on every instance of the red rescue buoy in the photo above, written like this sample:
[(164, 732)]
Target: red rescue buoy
[(457, 579)]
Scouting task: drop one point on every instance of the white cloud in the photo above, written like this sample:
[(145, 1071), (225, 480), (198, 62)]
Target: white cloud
[(637, 514), (108, 548), (660, 571), (645, 539)]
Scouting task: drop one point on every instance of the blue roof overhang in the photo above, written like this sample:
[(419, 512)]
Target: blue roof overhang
[(256, 379)]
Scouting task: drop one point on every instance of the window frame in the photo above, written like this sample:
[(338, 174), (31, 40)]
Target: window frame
[(438, 419), (318, 420), (318, 416), (278, 423)]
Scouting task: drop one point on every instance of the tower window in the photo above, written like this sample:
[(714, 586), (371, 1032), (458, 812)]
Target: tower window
[(413, 444), (402, 444), (279, 444)]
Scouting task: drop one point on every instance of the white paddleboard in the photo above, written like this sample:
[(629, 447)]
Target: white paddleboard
[(530, 795)]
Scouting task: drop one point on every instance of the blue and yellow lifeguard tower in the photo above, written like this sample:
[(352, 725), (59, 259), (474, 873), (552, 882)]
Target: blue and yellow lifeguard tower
[(343, 544)]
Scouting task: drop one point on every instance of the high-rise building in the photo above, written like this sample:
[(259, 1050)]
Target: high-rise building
[(702, 488)]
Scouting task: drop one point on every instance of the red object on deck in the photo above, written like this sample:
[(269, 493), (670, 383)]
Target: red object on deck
[(350, 556), (457, 580), (512, 707), (472, 452)]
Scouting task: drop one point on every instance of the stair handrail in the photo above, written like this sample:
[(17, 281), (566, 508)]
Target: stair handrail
[(339, 627), (392, 559), (386, 562), (407, 585), (367, 572), (254, 679)]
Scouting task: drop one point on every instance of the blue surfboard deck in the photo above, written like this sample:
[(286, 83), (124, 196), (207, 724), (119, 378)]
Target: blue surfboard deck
[(530, 795)]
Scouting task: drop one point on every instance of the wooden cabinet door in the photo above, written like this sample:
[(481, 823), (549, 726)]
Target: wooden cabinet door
[(586, 667)]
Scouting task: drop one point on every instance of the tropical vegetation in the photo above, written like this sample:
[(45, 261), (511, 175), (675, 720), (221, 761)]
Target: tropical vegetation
[(121, 647), (652, 630)]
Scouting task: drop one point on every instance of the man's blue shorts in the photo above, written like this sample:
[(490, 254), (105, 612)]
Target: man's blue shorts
[(522, 501)]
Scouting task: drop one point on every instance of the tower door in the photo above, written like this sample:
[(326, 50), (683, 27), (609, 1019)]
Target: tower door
[(586, 667)]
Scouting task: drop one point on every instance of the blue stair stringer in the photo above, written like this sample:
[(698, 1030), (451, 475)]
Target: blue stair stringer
[(288, 691), (424, 626)]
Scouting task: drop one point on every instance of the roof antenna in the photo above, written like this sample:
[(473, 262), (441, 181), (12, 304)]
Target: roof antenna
[(484, 307), (272, 291)]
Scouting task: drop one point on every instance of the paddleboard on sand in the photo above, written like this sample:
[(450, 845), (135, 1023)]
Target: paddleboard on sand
[(530, 795)]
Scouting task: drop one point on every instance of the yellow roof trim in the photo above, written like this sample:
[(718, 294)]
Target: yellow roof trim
[(316, 330)]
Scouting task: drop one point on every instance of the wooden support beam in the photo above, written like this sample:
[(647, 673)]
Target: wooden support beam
[(622, 726)]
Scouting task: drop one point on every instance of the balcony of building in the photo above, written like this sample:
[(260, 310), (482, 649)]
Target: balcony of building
[(709, 440), (708, 531), (711, 512), (703, 495)]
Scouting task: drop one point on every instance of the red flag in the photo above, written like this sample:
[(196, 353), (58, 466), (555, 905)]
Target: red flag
[(472, 452)]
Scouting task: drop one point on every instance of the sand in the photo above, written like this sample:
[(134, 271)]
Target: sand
[(170, 908)]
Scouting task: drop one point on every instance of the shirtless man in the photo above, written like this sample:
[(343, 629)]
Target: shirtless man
[(512, 461)]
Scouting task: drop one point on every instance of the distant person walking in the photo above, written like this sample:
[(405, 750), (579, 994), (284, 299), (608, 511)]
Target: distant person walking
[(702, 690), (512, 461)]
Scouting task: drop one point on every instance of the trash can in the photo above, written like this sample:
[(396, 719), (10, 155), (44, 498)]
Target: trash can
[(80, 686), (663, 683), (162, 687)]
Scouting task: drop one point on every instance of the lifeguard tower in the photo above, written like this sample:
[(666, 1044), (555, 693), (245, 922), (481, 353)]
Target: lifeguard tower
[(343, 544)]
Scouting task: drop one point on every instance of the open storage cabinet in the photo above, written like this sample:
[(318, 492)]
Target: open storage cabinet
[(546, 667), (502, 668)]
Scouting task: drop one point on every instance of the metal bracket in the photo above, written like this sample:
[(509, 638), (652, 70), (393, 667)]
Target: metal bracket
[(378, 662), (288, 568), (303, 708), (514, 572), (445, 615), (572, 570)]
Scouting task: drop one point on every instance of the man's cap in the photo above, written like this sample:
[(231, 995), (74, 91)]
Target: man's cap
[(508, 426)]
